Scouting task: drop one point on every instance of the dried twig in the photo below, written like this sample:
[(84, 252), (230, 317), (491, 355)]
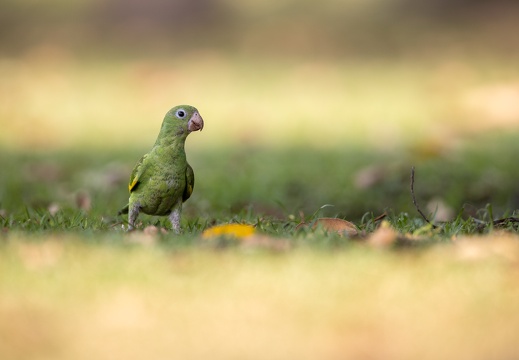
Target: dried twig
[(415, 203), (499, 223), (505, 221), (380, 217)]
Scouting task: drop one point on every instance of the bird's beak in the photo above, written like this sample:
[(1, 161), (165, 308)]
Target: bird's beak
[(195, 123)]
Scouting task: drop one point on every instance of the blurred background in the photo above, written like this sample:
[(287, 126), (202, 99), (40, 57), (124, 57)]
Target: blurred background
[(344, 94)]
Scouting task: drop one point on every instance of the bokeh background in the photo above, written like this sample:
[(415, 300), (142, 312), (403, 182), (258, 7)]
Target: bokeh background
[(307, 102)]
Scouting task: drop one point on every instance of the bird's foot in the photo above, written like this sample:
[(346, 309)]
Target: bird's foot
[(176, 229), (128, 228), (174, 218)]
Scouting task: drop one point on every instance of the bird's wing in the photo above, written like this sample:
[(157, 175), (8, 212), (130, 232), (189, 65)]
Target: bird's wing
[(190, 183), (137, 172)]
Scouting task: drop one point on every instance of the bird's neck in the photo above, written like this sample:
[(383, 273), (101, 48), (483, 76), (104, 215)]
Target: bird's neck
[(171, 136), (170, 142), (173, 142), (170, 150)]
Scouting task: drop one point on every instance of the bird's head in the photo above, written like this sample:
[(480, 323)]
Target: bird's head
[(185, 119)]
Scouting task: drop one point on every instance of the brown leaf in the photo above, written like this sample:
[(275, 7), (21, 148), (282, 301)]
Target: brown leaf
[(384, 236), (339, 226), (53, 208), (83, 201)]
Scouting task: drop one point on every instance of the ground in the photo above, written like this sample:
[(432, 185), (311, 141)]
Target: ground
[(285, 141)]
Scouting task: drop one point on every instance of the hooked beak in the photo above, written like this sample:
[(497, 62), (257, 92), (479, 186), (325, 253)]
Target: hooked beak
[(195, 123)]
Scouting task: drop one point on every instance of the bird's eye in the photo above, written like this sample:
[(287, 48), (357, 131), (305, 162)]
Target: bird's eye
[(180, 114)]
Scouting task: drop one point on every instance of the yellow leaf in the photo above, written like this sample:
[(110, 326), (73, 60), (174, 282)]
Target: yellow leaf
[(236, 230)]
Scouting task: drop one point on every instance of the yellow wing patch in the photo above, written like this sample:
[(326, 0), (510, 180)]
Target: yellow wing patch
[(137, 171), (132, 185)]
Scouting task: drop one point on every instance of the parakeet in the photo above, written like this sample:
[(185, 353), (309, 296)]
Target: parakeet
[(162, 179)]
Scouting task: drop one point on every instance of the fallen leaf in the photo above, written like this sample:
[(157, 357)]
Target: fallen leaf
[(238, 231), (384, 236), (339, 226), (83, 201), (53, 208)]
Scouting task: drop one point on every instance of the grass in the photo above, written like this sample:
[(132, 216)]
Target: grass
[(83, 191), (73, 285)]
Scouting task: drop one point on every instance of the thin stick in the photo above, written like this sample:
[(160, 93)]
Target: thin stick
[(499, 223), (414, 200), (505, 221), (380, 217)]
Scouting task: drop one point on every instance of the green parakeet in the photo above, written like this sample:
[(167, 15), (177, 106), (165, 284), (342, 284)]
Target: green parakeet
[(162, 179)]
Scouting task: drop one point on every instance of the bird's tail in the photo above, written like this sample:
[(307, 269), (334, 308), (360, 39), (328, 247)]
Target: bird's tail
[(124, 210)]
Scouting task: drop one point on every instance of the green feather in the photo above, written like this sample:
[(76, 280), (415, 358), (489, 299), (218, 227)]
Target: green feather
[(190, 183)]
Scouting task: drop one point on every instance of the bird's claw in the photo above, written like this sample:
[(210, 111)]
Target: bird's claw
[(128, 228)]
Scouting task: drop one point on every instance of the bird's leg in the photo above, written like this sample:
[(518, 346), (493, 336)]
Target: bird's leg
[(133, 212), (174, 217)]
